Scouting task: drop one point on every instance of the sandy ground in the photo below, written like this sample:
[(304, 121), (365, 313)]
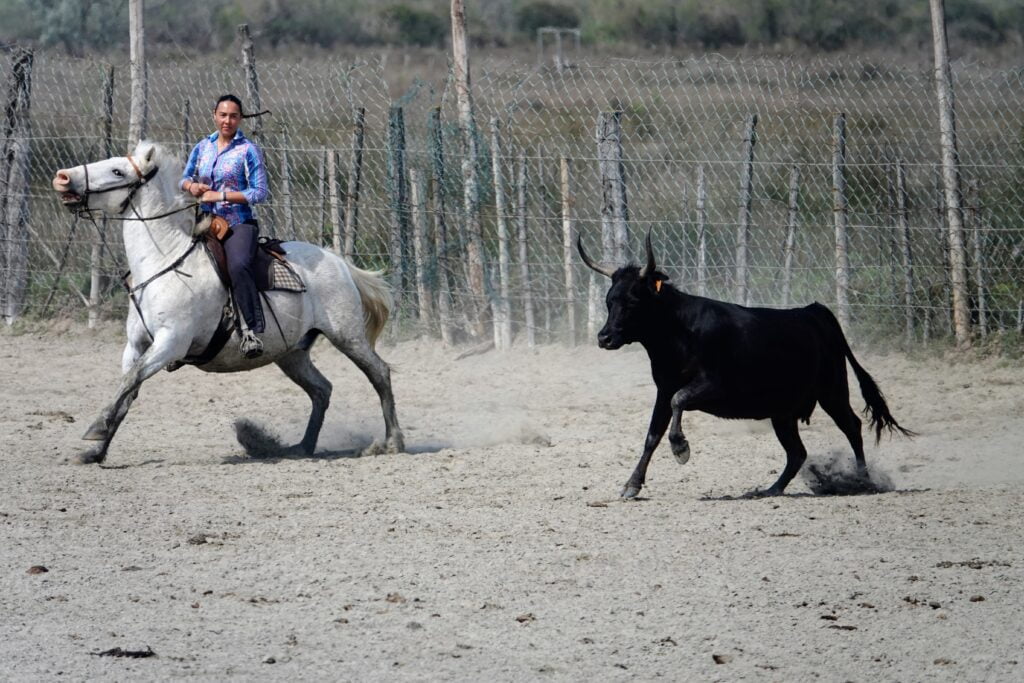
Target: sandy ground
[(496, 549)]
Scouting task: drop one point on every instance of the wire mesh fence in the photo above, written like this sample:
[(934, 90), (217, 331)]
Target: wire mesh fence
[(730, 164)]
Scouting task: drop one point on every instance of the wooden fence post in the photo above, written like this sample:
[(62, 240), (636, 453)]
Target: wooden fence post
[(567, 261), (420, 230), (286, 186), (97, 282), (907, 255), (335, 216), (502, 307), (524, 257), (139, 113), (441, 241), (252, 81), (614, 206), (399, 195), (840, 218), (321, 197), (791, 226), (471, 183), (743, 228), (951, 177), (15, 176), (355, 176), (975, 219), (702, 232)]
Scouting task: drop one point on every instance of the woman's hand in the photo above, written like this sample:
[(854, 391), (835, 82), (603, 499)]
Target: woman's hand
[(198, 189), (211, 196)]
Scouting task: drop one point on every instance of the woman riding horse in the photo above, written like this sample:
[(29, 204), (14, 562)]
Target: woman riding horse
[(225, 171)]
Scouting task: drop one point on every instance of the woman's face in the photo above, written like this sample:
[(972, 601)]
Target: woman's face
[(227, 116)]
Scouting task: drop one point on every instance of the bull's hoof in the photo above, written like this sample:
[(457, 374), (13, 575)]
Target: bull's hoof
[(681, 450), (97, 431), (763, 493), (629, 492), (93, 456)]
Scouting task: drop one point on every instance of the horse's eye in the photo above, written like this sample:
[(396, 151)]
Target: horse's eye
[(118, 173)]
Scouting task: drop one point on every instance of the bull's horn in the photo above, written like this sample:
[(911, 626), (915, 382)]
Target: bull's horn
[(649, 268), (604, 270)]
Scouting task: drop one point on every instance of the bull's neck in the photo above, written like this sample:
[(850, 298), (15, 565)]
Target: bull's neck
[(667, 330)]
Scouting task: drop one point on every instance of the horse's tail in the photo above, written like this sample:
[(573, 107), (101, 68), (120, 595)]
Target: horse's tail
[(377, 301)]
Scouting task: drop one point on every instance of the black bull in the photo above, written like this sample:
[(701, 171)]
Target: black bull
[(732, 361)]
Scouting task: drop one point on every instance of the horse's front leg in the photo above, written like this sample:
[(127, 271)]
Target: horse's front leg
[(137, 366)]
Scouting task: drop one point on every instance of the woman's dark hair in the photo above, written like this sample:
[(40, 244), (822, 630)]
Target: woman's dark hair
[(230, 98), (241, 109)]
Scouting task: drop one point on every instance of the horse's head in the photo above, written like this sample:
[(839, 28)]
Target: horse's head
[(108, 185)]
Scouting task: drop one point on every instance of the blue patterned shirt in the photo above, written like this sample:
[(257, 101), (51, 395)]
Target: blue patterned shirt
[(238, 168)]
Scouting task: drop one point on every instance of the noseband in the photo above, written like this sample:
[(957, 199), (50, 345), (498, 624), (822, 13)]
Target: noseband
[(134, 186)]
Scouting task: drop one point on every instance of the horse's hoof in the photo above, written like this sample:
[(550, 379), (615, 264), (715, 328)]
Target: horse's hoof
[(681, 451), (375, 448), (629, 492), (93, 456), (396, 444), (97, 431)]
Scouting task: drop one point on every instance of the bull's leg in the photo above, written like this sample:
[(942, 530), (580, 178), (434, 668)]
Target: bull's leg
[(659, 422), (838, 408), (300, 369), (686, 398), (789, 436), (162, 351)]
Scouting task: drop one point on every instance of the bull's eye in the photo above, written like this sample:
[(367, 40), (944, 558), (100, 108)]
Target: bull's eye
[(118, 173)]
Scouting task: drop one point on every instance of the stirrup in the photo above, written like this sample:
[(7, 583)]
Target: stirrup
[(252, 346)]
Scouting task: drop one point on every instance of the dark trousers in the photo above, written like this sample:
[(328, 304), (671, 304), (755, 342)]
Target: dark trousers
[(240, 248)]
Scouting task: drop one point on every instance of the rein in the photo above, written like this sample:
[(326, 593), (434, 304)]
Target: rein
[(141, 286)]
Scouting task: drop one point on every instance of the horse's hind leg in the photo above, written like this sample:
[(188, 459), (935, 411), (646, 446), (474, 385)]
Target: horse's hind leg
[(379, 374), (300, 369)]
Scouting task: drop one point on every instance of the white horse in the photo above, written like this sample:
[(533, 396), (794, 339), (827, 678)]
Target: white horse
[(178, 297)]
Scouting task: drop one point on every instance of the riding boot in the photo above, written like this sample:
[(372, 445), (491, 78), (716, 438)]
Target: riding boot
[(252, 346)]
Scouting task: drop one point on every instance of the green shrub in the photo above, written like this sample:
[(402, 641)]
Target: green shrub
[(411, 26), (540, 13)]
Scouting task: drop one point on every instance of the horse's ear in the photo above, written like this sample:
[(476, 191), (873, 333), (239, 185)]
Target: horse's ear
[(150, 154)]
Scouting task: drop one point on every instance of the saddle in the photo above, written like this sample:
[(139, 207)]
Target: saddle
[(272, 270), (272, 273)]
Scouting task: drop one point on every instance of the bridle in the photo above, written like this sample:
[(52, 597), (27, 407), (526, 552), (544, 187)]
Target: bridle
[(134, 186)]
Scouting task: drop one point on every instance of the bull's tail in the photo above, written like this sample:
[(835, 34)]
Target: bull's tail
[(377, 301), (877, 409)]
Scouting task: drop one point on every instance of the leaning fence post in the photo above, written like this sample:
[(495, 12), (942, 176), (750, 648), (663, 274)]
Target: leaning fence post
[(974, 216), (743, 227), (418, 203), (252, 82), (503, 308), (15, 176), (839, 213), (524, 259), (791, 226), (567, 261), (441, 228), (321, 196), (399, 196), (355, 177), (907, 256)]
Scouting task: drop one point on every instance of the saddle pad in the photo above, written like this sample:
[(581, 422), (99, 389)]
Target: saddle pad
[(283, 278)]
